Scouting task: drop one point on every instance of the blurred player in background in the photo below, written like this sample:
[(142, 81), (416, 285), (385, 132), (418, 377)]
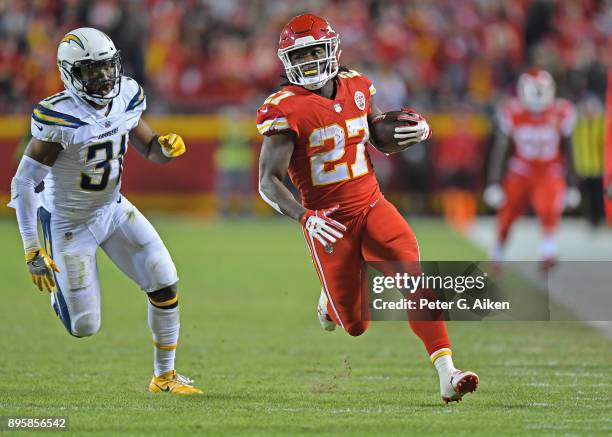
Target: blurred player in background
[(70, 174), (533, 155), (316, 128), (234, 162)]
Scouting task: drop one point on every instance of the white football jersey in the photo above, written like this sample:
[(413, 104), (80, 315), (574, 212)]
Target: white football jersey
[(87, 174)]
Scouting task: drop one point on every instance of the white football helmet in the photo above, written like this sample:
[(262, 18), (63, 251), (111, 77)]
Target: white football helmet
[(90, 65), (536, 89)]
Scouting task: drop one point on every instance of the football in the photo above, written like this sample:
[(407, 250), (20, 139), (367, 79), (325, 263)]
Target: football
[(383, 127)]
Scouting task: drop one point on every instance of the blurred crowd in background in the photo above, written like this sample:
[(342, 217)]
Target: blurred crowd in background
[(198, 56), (194, 55)]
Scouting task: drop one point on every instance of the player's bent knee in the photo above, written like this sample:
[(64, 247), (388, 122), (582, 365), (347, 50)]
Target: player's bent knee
[(86, 325), (159, 266), (356, 329), (164, 298)]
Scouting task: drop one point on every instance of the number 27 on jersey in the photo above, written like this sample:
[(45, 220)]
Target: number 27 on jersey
[(340, 135)]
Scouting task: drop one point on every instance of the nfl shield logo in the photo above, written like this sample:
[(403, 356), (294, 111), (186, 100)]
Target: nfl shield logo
[(107, 124), (338, 107)]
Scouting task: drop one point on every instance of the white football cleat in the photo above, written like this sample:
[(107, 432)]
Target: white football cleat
[(324, 318), (459, 384)]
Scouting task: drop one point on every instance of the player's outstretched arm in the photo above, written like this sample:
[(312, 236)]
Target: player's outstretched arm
[(274, 158), (159, 149), (35, 164)]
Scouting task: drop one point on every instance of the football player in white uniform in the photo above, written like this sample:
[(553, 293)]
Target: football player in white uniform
[(70, 176)]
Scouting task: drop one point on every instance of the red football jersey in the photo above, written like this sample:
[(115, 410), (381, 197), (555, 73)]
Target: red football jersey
[(536, 136), (330, 163)]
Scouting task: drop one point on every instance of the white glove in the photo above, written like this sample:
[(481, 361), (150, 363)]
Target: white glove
[(415, 131), (572, 198), (494, 196), (412, 134), (320, 226)]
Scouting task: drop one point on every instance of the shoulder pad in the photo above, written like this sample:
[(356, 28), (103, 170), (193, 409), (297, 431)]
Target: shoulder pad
[(349, 74), (276, 98), (270, 119), (44, 114), (52, 101), (137, 95)]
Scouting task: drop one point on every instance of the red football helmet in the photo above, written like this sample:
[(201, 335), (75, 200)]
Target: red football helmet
[(304, 31), (536, 89)]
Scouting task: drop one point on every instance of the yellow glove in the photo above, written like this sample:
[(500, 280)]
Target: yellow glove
[(41, 268), (172, 145)]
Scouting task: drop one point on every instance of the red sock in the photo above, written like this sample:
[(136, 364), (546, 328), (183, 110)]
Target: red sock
[(428, 325), (433, 334)]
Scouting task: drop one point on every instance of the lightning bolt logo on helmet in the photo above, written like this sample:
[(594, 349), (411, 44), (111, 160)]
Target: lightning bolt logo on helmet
[(73, 38)]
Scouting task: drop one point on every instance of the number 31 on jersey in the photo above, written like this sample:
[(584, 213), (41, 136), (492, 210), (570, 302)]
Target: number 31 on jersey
[(101, 156), (340, 135)]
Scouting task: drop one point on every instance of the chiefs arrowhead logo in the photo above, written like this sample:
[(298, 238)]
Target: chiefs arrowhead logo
[(360, 100)]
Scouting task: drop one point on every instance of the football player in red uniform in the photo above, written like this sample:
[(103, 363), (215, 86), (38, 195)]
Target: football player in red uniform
[(316, 129), (533, 149)]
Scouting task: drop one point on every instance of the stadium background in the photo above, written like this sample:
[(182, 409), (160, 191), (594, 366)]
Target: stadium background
[(249, 333), (207, 65)]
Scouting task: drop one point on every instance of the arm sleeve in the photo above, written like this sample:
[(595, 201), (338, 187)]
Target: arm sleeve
[(29, 174)]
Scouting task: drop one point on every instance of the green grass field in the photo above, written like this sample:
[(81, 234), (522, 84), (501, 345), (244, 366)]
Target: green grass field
[(250, 338)]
